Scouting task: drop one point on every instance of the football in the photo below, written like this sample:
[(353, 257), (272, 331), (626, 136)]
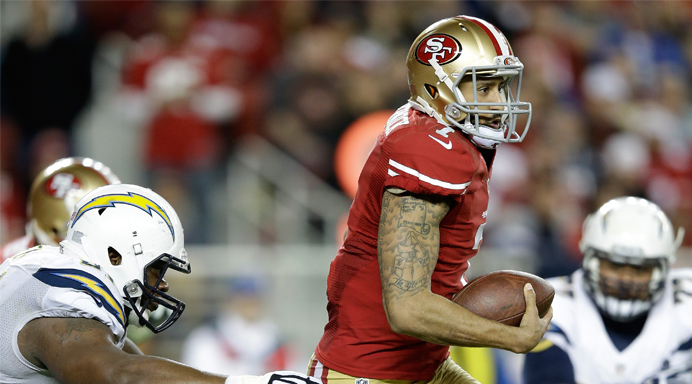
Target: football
[(499, 296)]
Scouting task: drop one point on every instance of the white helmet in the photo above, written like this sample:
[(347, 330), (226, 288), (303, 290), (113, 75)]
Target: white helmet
[(630, 231), (144, 229)]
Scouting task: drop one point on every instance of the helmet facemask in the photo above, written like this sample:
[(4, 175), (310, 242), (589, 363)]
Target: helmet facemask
[(624, 295), (140, 295), (511, 107), (465, 114)]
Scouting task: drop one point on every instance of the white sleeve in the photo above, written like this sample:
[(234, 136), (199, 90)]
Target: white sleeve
[(277, 377), (78, 293)]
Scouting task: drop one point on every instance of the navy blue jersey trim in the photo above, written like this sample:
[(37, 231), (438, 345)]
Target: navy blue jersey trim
[(551, 366), (85, 282), (555, 329), (686, 346)]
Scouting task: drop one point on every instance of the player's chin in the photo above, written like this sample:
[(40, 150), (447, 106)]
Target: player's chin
[(152, 306)]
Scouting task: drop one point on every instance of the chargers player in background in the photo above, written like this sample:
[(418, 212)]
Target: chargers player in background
[(51, 199), (418, 218), (64, 310), (624, 317)]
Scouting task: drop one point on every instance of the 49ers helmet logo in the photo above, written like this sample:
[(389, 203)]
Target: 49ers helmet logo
[(441, 47), (61, 183)]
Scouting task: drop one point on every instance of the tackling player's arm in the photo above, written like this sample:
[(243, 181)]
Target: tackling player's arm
[(131, 348), (407, 248), (83, 351)]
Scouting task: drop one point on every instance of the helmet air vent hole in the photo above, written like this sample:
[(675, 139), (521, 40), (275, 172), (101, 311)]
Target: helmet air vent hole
[(101, 211), (432, 91)]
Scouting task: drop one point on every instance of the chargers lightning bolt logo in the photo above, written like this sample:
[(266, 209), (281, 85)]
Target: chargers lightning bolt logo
[(130, 198), (85, 282)]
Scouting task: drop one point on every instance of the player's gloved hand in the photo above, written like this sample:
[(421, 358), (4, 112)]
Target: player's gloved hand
[(532, 327), (277, 377)]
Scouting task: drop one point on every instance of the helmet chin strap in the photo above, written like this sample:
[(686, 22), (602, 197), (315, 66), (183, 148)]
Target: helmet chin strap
[(441, 74), (132, 317), (487, 131), (421, 105), (484, 143)]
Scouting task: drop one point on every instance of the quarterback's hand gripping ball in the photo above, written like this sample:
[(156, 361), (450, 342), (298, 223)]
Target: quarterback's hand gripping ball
[(499, 296)]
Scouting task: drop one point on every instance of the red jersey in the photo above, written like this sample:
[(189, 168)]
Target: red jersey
[(418, 154), (15, 246)]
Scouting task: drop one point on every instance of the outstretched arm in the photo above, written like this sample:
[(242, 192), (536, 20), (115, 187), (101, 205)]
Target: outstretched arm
[(83, 351), (131, 348), (407, 247)]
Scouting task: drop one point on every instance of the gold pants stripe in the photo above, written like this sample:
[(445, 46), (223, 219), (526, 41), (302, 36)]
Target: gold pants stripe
[(448, 372)]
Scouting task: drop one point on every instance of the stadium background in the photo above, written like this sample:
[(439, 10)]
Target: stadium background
[(234, 110)]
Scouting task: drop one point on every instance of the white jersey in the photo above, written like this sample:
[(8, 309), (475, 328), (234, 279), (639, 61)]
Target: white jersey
[(15, 246), (661, 353), (43, 282)]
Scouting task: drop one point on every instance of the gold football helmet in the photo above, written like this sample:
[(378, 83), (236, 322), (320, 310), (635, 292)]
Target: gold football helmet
[(55, 191), (466, 47)]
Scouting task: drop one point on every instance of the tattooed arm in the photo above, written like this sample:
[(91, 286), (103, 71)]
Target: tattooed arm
[(407, 247), (79, 350)]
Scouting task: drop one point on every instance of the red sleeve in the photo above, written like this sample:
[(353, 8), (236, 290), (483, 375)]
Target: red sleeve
[(419, 164)]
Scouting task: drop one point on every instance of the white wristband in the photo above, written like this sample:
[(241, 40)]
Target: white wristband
[(281, 376)]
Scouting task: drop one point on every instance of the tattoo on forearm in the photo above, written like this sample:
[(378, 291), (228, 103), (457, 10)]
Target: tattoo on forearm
[(74, 328), (415, 208), (407, 246), (411, 269)]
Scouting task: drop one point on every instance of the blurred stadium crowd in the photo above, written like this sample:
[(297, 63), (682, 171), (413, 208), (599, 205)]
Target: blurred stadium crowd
[(608, 80)]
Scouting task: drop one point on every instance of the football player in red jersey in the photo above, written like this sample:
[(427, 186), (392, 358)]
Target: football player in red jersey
[(51, 199), (418, 218)]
